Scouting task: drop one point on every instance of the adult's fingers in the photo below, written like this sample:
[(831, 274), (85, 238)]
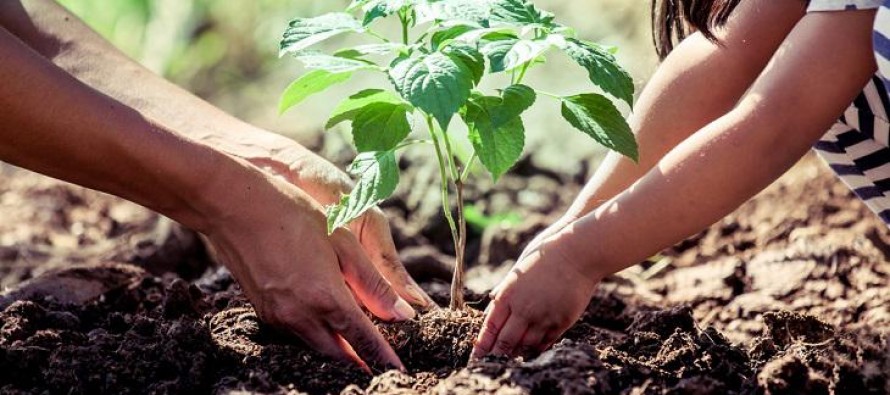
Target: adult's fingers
[(365, 340), (550, 337), (323, 340), (375, 237), (374, 291), (510, 336), (531, 341), (495, 316)]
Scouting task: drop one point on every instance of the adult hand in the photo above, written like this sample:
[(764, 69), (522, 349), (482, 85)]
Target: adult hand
[(541, 297), (272, 236), (325, 183)]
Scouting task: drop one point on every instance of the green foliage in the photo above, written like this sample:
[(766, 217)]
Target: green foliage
[(437, 83), (479, 221), (308, 85), (495, 128), (604, 71), (379, 119), (377, 176), (436, 76), (519, 12), (596, 116), (305, 32)]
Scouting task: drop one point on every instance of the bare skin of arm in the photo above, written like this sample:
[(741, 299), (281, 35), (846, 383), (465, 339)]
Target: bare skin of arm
[(63, 39), (268, 231), (699, 82), (704, 178)]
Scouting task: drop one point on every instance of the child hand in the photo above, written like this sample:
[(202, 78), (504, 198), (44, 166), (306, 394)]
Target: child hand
[(541, 297)]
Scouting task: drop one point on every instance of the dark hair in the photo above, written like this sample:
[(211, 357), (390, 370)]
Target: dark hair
[(673, 20)]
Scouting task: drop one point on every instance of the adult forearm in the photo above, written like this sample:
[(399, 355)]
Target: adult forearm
[(67, 42), (53, 124)]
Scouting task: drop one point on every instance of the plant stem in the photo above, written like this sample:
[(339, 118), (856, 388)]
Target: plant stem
[(404, 19), (456, 297), (460, 242), (522, 72), (455, 174), (377, 35), (457, 279), (469, 166), (553, 95), (408, 143)]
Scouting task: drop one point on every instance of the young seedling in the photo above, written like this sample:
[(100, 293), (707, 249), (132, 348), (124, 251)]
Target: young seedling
[(434, 76)]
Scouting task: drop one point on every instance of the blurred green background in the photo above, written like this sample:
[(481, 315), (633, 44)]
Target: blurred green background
[(226, 52)]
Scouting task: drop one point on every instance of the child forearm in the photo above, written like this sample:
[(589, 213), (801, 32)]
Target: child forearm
[(730, 160), (699, 82)]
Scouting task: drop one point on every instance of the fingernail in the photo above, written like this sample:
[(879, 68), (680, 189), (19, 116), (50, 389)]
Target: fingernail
[(417, 294), (403, 310)]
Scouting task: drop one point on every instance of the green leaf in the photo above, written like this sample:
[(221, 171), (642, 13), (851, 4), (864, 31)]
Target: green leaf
[(495, 127), (379, 119), (355, 5), (515, 100), (348, 108), (437, 83), (471, 58), (333, 64), (473, 12), (442, 37), (603, 69), (377, 176), (507, 54), (519, 12), (376, 9), (305, 32), (480, 221), (380, 126), (308, 85), (361, 51), (598, 117), (473, 36)]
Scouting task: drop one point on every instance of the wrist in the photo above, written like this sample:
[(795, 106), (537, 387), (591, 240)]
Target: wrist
[(200, 179), (285, 158), (188, 180), (582, 256)]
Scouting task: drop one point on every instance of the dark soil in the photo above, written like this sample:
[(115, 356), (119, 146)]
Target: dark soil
[(788, 295)]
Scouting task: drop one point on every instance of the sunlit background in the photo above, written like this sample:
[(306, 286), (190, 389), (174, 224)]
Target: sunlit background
[(226, 52)]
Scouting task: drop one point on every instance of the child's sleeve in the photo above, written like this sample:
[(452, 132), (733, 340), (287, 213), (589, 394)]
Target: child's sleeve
[(843, 5)]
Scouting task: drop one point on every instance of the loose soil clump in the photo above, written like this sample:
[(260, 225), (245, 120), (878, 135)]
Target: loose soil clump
[(789, 295)]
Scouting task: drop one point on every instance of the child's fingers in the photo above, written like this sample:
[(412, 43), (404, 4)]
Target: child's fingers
[(510, 336), (495, 317)]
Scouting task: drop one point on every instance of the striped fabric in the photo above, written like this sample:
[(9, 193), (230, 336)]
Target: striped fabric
[(842, 5), (881, 36), (857, 147)]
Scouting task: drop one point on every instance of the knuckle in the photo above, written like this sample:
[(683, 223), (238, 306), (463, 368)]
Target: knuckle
[(503, 295), (366, 346), (382, 289), (338, 319), (392, 261), (324, 306), (491, 327), (503, 346)]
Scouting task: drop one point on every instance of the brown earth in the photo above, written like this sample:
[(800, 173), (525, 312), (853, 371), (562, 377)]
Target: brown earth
[(788, 295)]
